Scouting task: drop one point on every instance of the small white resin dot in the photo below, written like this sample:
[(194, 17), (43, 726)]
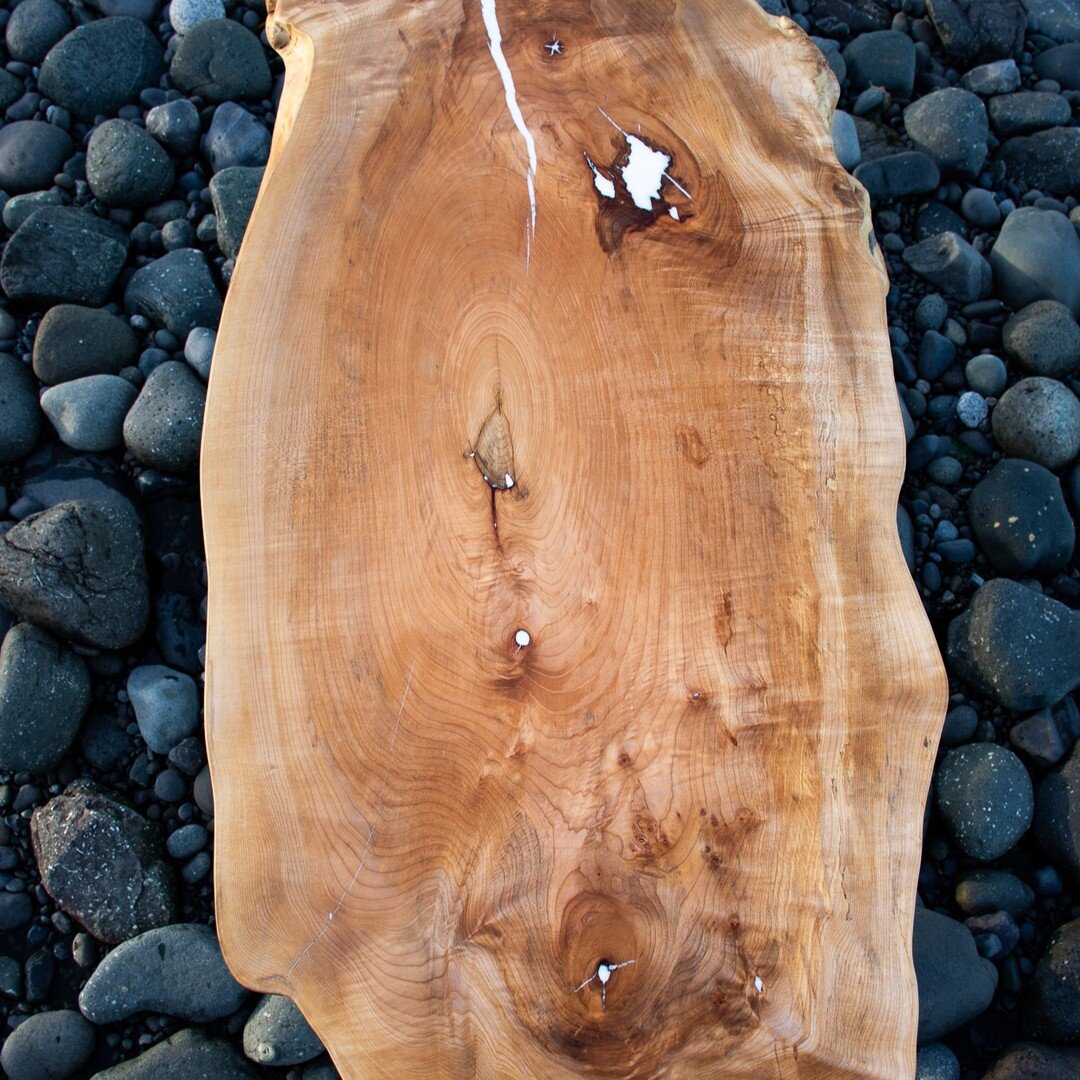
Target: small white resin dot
[(522, 638)]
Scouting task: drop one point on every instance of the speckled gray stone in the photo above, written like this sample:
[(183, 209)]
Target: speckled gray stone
[(188, 1055), (1044, 338), (984, 795), (1017, 646), (1038, 419), (102, 863), (1032, 1061), (164, 425), (176, 970), (176, 291)]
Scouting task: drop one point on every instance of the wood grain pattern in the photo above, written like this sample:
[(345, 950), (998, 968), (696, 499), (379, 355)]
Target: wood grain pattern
[(667, 448)]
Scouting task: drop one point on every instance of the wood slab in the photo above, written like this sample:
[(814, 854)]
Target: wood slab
[(570, 708)]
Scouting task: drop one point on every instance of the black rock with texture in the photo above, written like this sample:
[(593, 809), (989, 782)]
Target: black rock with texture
[(188, 1055), (176, 291), (1020, 519), (221, 61), (102, 863), (952, 264), (1034, 1061), (73, 342), (78, 570), (31, 154), (882, 58), (1015, 645), (1048, 160), (63, 254), (20, 414), (162, 429), (978, 30), (1057, 815), (177, 970), (1062, 64), (101, 66), (1044, 338), (1052, 1003), (955, 982), (126, 166), (34, 28), (48, 1045), (983, 793), (859, 15), (234, 192), (1027, 111), (896, 176), (44, 692)]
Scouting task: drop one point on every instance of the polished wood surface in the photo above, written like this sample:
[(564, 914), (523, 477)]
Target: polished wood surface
[(570, 708)]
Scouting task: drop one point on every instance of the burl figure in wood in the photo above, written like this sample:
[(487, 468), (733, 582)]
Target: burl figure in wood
[(570, 708)]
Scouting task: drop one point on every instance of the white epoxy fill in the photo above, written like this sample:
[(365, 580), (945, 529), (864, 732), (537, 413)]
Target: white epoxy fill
[(491, 24), (604, 184), (644, 172)]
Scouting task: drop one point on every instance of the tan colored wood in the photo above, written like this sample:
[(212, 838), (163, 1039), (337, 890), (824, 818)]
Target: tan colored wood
[(705, 759)]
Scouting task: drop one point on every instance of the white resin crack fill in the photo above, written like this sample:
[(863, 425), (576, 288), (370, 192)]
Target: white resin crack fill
[(491, 23)]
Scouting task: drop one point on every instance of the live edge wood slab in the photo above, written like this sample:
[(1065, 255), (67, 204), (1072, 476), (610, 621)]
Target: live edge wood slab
[(570, 708)]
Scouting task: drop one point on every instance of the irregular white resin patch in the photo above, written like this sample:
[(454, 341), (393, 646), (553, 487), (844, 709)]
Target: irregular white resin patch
[(491, 23), (643, 173)]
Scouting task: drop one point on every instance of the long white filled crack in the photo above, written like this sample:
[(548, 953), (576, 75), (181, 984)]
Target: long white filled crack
[(643, 173), (491, 23)]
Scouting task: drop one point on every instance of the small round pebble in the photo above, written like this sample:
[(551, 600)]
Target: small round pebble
[(931, 312), (986, 374), (972, 409), (186, 841), (184, 14), (936, 1061)]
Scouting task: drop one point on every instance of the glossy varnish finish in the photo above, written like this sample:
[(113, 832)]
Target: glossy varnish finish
[(557, 616)]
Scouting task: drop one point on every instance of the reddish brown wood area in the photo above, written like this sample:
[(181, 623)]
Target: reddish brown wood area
[(570, 708)]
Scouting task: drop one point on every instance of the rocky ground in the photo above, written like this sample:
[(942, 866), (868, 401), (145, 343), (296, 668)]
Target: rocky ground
[(130, 154)]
